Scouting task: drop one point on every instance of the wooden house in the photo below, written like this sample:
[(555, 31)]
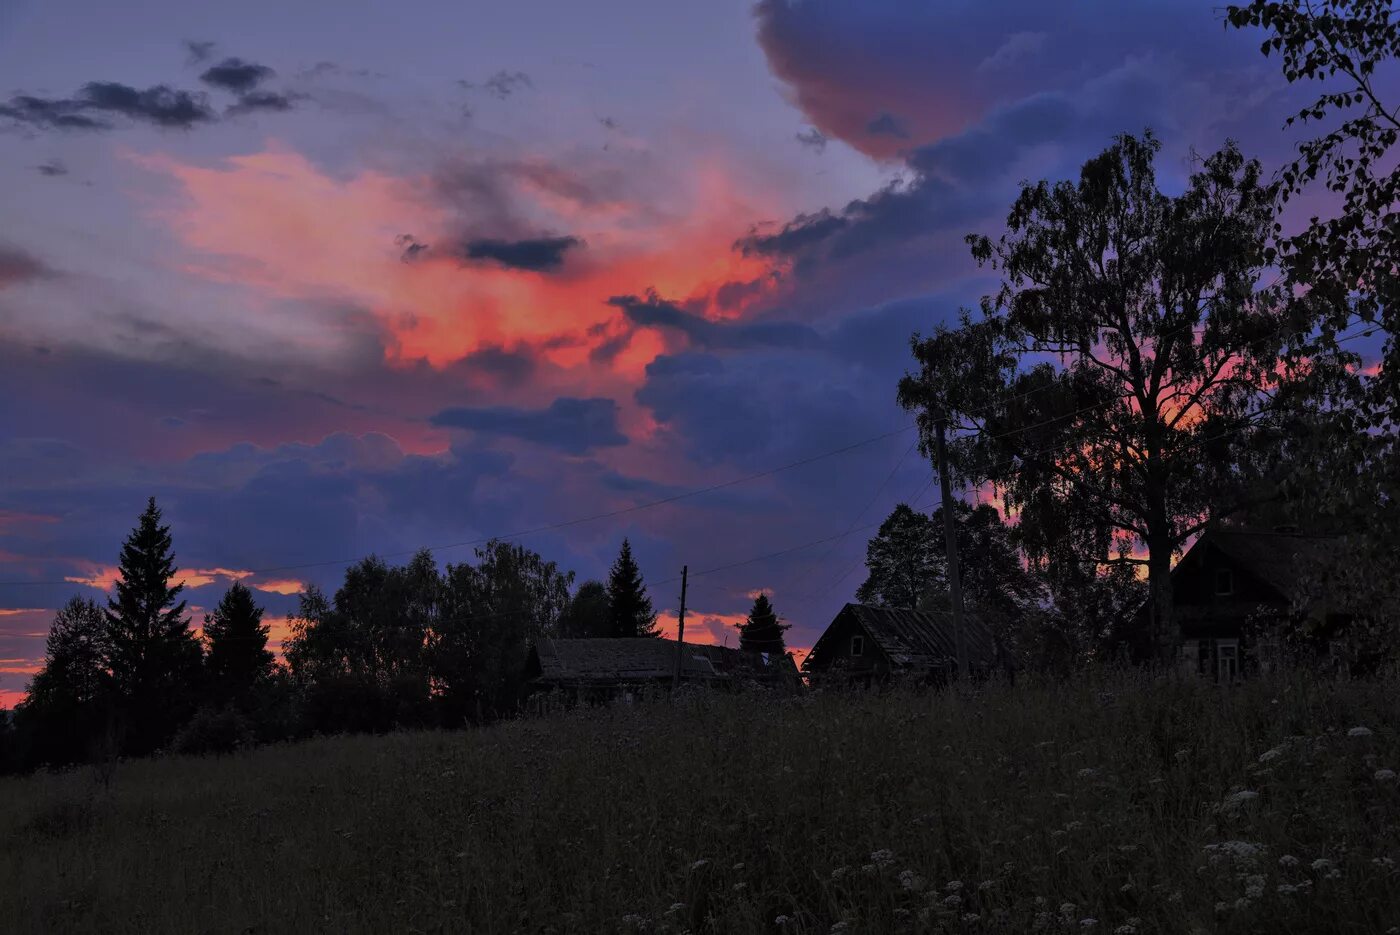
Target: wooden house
[(1233, 588), (599, 670), (866, 644)]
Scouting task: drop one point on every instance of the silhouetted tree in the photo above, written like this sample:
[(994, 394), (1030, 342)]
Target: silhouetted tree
[(491, 615), (238, 657), (630, 607), (67, 706), (762, 632), (1173, 360), (152, 654), (589, 614), (903, 558)]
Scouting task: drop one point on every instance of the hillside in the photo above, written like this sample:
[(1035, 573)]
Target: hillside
[(1117, 805)]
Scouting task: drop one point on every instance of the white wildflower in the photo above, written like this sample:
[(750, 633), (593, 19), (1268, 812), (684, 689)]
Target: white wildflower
[(781, 920), (1125, 930), (1088, 923), (1287, 889), (911, 881), (953, 901), (740, 887), (1067, 909), (1088, 772), (1359, 732), (839, 873), (675, 907), (1269, 756), (700, 864), (737, 867), (953, 886), (838, 927), (1384, 863), (1042, 920), (1385, 775), (1238, 800), (1288, 860), (971, 918)]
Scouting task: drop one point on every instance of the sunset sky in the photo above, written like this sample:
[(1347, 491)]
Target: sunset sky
[(337, 278)]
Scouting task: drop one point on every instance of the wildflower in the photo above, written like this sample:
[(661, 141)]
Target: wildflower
[(1067, 909), (1088, 923), (1270, 755), (1385, 775), (839, 873), (1385, 863), (1182, 755), (868, 869), (838, 927), (1288, 860), (737, 867), (1125, 930), (986, 885), (699, 865), (675, 907), (882, 857), (1326, 868), (1254, 886), (953, 901), (1221, 908), (911, 881), (1042, 920), (971, 918), (1238, 800), (1088, 772), (953, 886), (781, 920), (1287, 889), (1359, 732)]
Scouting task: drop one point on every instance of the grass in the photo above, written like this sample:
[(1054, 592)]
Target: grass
[(1146, 806)]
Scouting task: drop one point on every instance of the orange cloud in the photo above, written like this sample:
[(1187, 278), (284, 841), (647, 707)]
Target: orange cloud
[(16, 611), (275, 222), (11, 520), (280, 586), (103, 577), (199, 577)]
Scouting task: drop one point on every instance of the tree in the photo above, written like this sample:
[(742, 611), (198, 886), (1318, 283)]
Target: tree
[(631, 612), (492, 613), (1173, 363), (589, 614), (904, 559), (1350, 253), (238, 657), (152, 654), (761, 632), (66, 707)]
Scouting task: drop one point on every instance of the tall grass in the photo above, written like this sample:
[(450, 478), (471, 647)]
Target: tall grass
[(1113, 804)]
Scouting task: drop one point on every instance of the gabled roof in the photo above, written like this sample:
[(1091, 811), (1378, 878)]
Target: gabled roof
[(919, 639), (638, 659), (1281, 560)]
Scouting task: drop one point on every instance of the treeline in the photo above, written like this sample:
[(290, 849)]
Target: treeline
[(394, 646)]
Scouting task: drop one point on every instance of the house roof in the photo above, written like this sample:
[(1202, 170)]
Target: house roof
[(636, 659), (918, 639), (1280, 560)]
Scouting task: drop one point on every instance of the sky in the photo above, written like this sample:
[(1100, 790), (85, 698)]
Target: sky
[(332, 279)]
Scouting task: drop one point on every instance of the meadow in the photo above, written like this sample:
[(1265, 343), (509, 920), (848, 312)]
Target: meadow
[(1116, 803)]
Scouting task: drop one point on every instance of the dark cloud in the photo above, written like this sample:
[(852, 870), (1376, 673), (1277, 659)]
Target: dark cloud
[(413, 248), (504, 83), (887, 124), (159, 105), (569, 424), (16, 267), (537, 254), (813, 139), (52, 169), (198, 52), (506, 367), (652, 311), (236, 75), (261, 100)]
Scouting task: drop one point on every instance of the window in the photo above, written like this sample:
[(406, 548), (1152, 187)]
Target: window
[(1224, 581), (857, 646)]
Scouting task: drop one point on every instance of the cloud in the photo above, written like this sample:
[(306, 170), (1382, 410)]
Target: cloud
[(198, 51), (569, 424), (1018, 47), (504, 83), (236, 75), (159, 105), (887, 124), (538, 254), (51, 169), (261, 100), (17, 267), (652, 311), (813, 139)]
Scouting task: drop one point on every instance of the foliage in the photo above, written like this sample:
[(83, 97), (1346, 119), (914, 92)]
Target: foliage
[(66, 706), (761, 631), (214, 730), (238, 657), (1163, 805), (589, 614), (631, 610), (1349, 253), (152, 654), (1174, 365), (904, 559)]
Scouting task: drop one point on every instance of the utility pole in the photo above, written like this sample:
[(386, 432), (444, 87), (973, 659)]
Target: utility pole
[(680, 628), (950, 542)]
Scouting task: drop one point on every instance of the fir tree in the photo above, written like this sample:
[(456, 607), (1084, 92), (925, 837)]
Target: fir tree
[(629, 606), (66, 707), (153, 656), (238, 657), (762, 632)]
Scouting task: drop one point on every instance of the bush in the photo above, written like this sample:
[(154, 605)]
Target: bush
[(214, 730)]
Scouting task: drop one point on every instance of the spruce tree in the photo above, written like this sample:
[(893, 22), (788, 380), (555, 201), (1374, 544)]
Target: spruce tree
[(238, 657), (629, 606), (762, 632), (153, 656)]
